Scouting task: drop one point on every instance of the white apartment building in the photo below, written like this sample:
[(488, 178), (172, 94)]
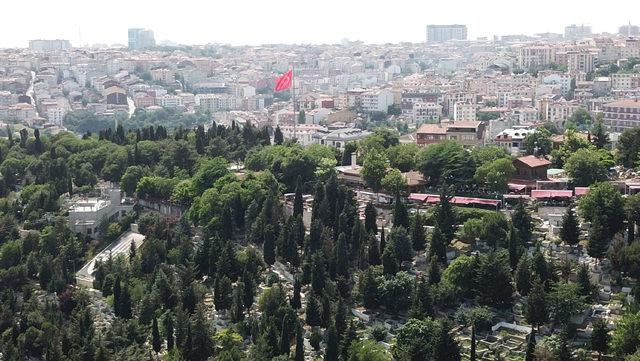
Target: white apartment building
[(524, 115), (163, 75), (377, 100), (534, 56), (581, 60), (512, 139), (622, 81), (464, 112), (303, 132), (169, 101), (56, 115), (559, 111), (426, 112), (85, 214), (217, 102)]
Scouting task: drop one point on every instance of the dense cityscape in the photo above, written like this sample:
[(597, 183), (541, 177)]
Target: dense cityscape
[(453, 199)]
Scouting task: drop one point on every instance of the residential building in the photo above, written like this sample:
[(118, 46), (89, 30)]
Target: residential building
[(376, 100), (338, 138), (512, 139), (531, 168), (163, 75), (464, 112), (56, 115), (442, 33), (622, 114), (535, 56), (574, 31), (629, 30), (86, 214), (581, 61), (426, 112), (303, 132), (49, 45), (217, 102), (622, 81), (169, 101), (468, 133), (141, 38)]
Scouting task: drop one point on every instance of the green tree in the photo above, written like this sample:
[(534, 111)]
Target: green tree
[(584, 281), (521, 219), (402, 156), (605, 203), (298, 205), (598, 241), (586, 167), (168, 331), (374, 169), (422, 300), (400, 213), (531, 346), (278, 137), (302, 117), (538, 143), (370, 218), (389, 260), (445, 161), (446, 347), (536, 311), (599, 135), (626, 335), (367, 350), (156, 342), (570, 231), (438, 247), (472, 355), (401, 242), (369, 289), (394, 182), (331, 353), (269, 246), (628, 147), (312, 311), (523, 275), (446, 217), (565, 302), (418, 234), (496, 174), (599, 340), (494, 280)]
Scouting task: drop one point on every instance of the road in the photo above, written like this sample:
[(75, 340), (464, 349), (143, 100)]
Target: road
[(84, 277)]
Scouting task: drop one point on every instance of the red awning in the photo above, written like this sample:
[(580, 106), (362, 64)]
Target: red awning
[(515, 196), (420, 197), (434, 198), (580, 191), (516, 187), (551, 194)]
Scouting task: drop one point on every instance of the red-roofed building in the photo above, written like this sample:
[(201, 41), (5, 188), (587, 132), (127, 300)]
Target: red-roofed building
[(531, 168), (468, 133)]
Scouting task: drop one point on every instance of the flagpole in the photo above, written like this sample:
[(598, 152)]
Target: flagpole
[(293, 100)]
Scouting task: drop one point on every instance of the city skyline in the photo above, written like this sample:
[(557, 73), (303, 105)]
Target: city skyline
[(236, 22)]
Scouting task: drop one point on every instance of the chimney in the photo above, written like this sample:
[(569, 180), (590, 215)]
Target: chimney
[(353, 160)]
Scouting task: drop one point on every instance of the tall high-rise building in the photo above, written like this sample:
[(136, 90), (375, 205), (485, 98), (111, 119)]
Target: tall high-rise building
[(49, 45), (141, 38), (442, 33), (574, 31)]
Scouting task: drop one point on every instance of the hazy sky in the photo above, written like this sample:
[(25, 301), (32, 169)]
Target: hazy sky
[(300, 21)]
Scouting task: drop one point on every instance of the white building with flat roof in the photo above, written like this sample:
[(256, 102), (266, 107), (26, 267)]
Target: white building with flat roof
[(86, 214)]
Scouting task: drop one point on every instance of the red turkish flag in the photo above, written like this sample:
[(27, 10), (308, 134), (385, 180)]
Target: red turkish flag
[(284, 81)]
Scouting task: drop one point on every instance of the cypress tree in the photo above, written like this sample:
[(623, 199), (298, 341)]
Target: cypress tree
[(422, 301), (278, 137), (417, 234), (438, 247), (389, 260), (222, 293), (318, 274), (531, 346), (168, 330), (434, 271), (370, 217), (522, 221), (298, 205), (341, 256), (156, 342), (331, 353), (117, 294), (269, 246), (523, 275), (295, 300), (400, 214), (373, 251), (383, 241), (446, 348), (312, 311), (599, 340), (237, 306), (472, 356), (584, 281), (369, 289), (570, 231), (125, 303), (299, 355), (536, 308), (201, 345), (514, 247), (248, 292), (598, 241), (446, 216)]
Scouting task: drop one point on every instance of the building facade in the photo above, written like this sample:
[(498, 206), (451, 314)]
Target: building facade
[(442, 33)]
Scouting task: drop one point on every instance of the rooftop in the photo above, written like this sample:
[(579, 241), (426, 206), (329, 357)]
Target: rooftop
[(533, 161)]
